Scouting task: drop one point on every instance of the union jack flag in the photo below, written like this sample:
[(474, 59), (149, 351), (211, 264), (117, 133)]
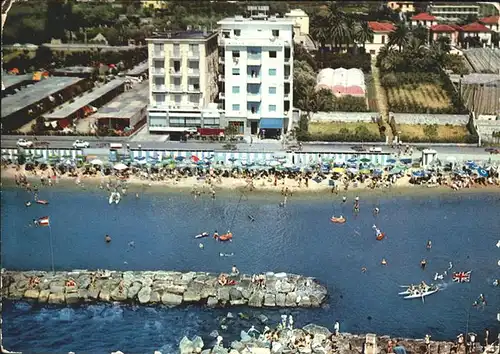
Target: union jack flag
[(461, 277)]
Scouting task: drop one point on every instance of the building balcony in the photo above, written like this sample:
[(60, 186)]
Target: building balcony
[(175, 73), (253, 97), (175, 54), (157, 71), (193, 55), (254, 79), (253, 115), (287, 60), (159, 54), (221, 60), (287, 77), (222, 95), (159, 88), (176, 88), (287, 96), (194, 88), (255, 60), (193, 72), (221, 77)]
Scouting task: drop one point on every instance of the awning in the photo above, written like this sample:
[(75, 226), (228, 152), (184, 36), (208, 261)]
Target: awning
[(271, 123)]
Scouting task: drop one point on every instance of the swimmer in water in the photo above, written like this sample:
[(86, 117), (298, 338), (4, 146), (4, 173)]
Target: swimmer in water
[(384, 261), (107, 239), (423, 263), (376, 211), (363, 269), (450, 266), (429, 244), (344, 199)]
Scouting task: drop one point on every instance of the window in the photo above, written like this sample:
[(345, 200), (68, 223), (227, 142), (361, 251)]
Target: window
[(237, 32), (276, 33), (178, 99), (272, 108), (272, 90), (236, 71), (160, 99), (236, 89), (272, 72), (236, 107), (383, 39), (272, 54), (236, 53)]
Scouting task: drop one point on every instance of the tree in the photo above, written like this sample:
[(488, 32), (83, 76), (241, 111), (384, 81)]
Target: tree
[(399, 37), (363, 33), (421, 33)]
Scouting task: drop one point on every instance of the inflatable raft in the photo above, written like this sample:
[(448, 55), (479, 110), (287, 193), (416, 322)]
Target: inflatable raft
[(226, 237), (338, 220), (380, 236), (43, 202)]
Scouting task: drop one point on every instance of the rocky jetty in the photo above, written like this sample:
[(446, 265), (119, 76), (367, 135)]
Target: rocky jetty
[(319, 340), (162, 287)]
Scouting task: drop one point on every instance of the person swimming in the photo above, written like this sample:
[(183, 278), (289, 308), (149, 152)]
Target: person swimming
[(107, 239), (384, 261), (376, 210), (429, 244), (216, 235), (344, 199), (423, 263)]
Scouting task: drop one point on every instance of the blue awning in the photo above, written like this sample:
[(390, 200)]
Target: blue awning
[(271, 123)]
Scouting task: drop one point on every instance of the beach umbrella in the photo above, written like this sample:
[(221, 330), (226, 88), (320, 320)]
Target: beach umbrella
[(288, 165), (396, 170), (364, 171), (41, 160), (338, 170), (365, 160), (378, 172), (179, 158), (96, 162), (352, 170), (195, 158), (482, 172), (418, 173), (352, 160), (405, 160), (120, 166), (274, 163), (391, 161), (232, 159)]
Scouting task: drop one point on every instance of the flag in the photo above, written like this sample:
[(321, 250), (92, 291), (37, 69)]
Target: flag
[(44, 221), (461, 277)]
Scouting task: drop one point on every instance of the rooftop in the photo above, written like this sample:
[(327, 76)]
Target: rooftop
[(66, 110), (13, 80), (257, 21), (76, 70), (443, 28), (183, 35), (138, 69), (491, 20), (381, 26), (475, 27), (424, 16), (127, 104), (37, 92)]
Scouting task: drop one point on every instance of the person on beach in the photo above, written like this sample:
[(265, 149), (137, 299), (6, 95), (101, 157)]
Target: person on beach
[(235, 271)]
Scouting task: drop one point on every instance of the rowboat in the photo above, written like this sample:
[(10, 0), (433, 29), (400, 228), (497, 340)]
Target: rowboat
[(420, 295), (408, 292)]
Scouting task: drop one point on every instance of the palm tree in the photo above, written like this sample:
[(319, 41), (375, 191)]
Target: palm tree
[(320, 31), (363, 33), (399, 37), (339, 30), (420, 32)]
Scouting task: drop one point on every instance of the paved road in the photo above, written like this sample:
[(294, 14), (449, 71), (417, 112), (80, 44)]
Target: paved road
[(65, 142)]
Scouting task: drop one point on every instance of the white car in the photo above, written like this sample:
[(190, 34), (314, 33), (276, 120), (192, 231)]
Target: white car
[(375, 149), (24, 143), (80, 144)]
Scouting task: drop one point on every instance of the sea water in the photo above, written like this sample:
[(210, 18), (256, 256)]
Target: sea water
[(298, 238)]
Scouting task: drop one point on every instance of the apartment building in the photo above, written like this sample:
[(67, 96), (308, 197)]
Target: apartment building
[(454, 10), (403, 6), (183, 81), (256, 57)]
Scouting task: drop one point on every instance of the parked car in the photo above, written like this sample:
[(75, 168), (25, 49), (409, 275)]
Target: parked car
[(24, 143), (80, 144), (358, 148), (492, 150), (375, 149)]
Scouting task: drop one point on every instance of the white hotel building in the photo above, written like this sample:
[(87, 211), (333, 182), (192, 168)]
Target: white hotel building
[(256, 71)]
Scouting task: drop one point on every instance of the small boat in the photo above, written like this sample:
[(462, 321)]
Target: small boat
[(114, 198), (204, 234), (340, 220), (43, 202), (380, 236), (422, 294), (226, 237)]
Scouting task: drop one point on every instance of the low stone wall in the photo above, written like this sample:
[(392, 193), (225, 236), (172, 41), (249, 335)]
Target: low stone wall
[(346, 117), (429, 119), (165, 287)]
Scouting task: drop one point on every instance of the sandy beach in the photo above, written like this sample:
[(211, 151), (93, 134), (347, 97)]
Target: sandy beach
[(257, 185)]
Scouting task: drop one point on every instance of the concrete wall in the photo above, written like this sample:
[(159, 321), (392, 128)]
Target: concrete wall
[(428, 119), (369, 117), (486, 128)]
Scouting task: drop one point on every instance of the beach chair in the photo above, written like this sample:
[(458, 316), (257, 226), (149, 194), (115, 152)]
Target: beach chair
[(370, 345)]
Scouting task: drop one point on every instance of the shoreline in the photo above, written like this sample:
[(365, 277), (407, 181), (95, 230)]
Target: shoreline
[(229, 185)]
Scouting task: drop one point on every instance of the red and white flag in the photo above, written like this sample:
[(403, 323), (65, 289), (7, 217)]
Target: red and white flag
[(44, 221), (461, 277)]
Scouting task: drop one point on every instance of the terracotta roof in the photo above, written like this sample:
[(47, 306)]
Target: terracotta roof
[(443, 28), (424, 16), (475, 27), (381, 26), (492, 20)]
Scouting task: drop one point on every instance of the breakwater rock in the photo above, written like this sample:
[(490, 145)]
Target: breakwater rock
[(163, 287)]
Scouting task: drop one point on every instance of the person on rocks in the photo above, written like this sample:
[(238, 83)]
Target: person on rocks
[(428, 343), (290, 322), (235, 271), (486, 336), (336, 328)]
